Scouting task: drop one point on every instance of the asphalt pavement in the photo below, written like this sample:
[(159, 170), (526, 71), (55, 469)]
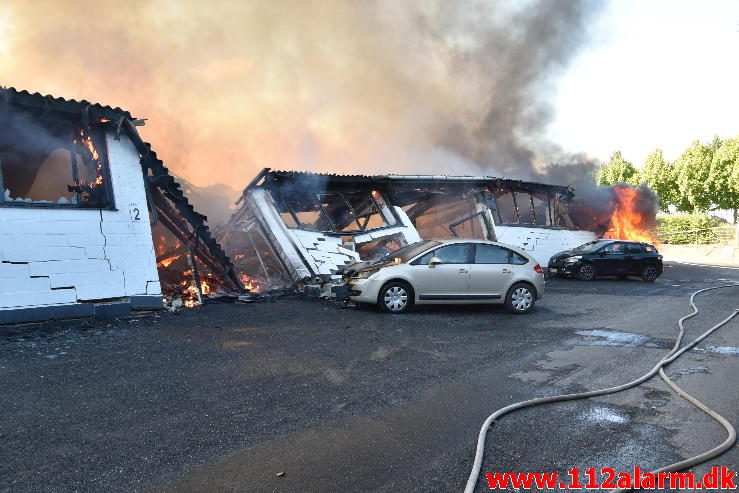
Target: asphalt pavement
[(336, 398)]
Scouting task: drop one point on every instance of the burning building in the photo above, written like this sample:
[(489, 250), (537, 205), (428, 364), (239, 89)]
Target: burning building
[(297, 226), (80, 193)]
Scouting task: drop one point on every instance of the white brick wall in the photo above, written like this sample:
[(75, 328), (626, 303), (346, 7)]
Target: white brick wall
[(542, 243), (61, 256)]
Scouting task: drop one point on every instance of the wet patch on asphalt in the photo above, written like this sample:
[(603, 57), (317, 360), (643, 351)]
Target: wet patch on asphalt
[(720, 350), (615, 338)]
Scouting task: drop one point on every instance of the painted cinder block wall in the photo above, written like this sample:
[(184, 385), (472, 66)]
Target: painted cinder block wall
[(542, 243), (54, 257)]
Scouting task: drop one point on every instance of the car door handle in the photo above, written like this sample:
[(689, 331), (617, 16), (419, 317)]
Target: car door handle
[(506, 271), (463, 271)]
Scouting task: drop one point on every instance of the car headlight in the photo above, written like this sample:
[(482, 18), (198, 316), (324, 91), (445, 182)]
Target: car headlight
[(571, 260), (366, 273)]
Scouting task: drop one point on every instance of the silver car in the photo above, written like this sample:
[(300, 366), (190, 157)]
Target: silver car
[(454, 271)]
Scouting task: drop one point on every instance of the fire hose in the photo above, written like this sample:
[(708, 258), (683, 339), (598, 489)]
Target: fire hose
[(674, 353)]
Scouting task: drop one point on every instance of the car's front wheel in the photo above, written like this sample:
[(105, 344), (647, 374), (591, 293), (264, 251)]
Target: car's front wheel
[(586, 272), (649, 274), (395, 297), (520, 299)]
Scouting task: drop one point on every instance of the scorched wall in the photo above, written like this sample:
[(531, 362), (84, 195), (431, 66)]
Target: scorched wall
[(54, 258)]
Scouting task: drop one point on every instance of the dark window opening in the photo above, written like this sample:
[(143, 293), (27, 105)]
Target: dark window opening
[(339, 211), (329, 212), (507, 210), (540, 208), (526, 208), (302, 210), (52, 163), (447, 217), (366, 210)]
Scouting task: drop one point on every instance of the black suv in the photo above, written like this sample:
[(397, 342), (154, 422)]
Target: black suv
[(608, 258)]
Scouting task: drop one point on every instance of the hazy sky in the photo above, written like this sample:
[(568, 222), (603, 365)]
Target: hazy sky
[(424, 86), (655, 73)]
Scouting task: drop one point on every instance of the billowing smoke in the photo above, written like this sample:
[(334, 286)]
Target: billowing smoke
[(436, 86)]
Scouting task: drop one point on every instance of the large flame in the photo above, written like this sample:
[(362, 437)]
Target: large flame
[(249, 282), (627, 221)]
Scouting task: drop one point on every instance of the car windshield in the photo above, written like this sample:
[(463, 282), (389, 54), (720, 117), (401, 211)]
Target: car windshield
[(589, 247), (408, 252)]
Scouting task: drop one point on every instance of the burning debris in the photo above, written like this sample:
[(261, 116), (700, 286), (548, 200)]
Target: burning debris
[(192, 265), (634, 214), (620, 211)]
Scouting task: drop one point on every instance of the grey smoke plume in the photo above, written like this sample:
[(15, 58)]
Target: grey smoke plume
[(379, 86), (517, 55)]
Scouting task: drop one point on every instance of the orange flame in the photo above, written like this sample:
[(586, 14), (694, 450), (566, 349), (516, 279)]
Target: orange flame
[(165, 262), (86, 140), (627, 223), (248, 282)]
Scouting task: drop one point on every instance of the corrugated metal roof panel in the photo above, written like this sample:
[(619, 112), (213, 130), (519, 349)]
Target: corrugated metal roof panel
[(420, 178), (25, 98)]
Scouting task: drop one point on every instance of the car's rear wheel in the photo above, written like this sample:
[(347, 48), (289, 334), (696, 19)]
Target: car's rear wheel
[(586, 272), (395, 297), (520, 299), (649, 274)]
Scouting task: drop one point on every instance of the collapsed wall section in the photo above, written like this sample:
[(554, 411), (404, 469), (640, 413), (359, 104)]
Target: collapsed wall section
[(315, 224), (282, 231)]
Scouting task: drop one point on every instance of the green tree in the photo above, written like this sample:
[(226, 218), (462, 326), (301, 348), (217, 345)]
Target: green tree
[(693, 170), (617, 170), (660, 176), (723, 180)]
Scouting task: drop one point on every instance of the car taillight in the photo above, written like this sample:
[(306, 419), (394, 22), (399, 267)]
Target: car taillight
[(537, 269)]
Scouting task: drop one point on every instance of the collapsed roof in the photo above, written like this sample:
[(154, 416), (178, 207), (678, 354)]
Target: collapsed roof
[(304, 226)]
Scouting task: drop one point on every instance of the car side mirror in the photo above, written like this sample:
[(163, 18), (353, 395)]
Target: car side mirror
[(603, 253), (434, 261)]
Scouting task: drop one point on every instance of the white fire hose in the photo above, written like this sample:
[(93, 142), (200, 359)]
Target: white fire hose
[(674, 353)]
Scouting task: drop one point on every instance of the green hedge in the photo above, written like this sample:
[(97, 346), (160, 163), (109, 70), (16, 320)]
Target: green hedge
[(687, 222)]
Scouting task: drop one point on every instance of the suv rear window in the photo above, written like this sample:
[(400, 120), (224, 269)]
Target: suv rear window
[(633, 248)]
